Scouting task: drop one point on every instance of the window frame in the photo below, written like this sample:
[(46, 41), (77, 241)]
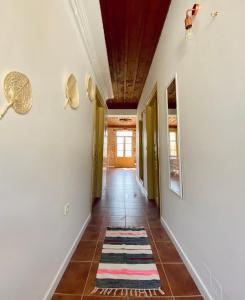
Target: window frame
[(124, 135)]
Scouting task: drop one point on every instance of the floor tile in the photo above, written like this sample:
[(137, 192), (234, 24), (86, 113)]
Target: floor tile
[(135, 212), (155, 223), (91, 280), (109, 211), (159, 234), (168, 253), (115, 219), (136, 222), (134, 205), (152, 298), (96, 221), (98, 252), (66, 297), (189, 298), (91, 233), (115, 224), (74, 278), (155, 253), (85, 251), (103, 298), (102, 233), (180, 280), (164, 283)]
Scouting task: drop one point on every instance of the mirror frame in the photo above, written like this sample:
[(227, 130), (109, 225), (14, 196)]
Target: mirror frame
[(180, 195)]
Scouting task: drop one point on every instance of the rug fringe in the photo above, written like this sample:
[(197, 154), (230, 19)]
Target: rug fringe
[(128, 292)]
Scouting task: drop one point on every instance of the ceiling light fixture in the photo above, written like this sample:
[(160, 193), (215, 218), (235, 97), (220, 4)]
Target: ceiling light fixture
[(124, 119), (190, 13)]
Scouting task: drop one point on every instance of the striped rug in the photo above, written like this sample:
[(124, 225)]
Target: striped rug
[(127, 264)]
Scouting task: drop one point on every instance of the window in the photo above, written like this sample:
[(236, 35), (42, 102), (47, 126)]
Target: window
[(173, 143), (124, 143)]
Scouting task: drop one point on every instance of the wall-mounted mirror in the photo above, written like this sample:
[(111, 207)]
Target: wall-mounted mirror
[(175, 182)]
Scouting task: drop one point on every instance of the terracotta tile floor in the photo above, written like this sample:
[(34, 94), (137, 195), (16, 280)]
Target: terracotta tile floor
[(123, 204)]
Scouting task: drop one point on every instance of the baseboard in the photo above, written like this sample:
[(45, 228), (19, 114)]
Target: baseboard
[(48, 295), (200, 284), (141, 186)]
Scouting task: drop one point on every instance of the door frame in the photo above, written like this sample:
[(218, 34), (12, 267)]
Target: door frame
[(141, 150), (125, 162), (150, 144), (98, 144)]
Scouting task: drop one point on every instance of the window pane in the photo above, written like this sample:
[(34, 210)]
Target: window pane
[(120, 133), (172, 136), (119, 153), (128, 140), (120, 140), (128, 147), (172, 145), (128, 133), (124, 133), (173, 153), (128, 153), (120, 147)]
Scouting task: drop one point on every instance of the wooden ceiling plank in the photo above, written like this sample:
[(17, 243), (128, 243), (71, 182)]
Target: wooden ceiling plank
[(105, 12), (132, 30), (150, 40), (140, 44), (126, 50)]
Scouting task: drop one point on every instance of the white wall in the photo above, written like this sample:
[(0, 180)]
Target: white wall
[(209, 221), (122, 112), (45, 156)]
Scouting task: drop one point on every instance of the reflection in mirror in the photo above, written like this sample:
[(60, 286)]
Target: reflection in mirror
[(173, 140)]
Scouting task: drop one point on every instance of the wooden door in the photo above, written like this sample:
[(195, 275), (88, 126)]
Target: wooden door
[(155, 150), (152, 150), (149, 150), (99, 116), (141, 163)]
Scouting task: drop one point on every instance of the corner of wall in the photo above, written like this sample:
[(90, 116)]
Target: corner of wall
[(198, 280), (49, 293), (144, 191)]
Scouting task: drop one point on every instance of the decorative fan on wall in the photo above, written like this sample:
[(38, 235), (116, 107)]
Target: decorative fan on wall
[(72, 94), (17, 89), (89, 86)]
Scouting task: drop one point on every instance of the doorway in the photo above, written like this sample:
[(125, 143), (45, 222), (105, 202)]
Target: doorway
[(121, 141), (98, 138), (152, 148)]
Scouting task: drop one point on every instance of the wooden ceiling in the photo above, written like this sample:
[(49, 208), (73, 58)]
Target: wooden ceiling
[(121, 122), (132, 29)]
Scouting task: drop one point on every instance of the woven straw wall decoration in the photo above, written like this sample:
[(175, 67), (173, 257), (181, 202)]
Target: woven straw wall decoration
[(90, 89), (72, 94), (17, 89)]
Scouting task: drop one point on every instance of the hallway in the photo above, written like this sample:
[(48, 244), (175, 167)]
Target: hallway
[(123, 204), (151, 90)]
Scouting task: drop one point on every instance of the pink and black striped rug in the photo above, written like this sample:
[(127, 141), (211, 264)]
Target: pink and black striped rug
[(127, 265)]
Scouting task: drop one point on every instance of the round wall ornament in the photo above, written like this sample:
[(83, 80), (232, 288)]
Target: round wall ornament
[(72, 94), (17, 90), (89, 86)]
